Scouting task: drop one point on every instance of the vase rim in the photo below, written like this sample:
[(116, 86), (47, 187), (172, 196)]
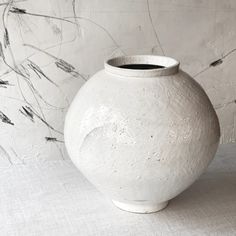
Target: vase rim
[(155, 66)]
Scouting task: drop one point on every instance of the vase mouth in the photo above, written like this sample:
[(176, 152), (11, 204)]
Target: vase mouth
[(142, 66)]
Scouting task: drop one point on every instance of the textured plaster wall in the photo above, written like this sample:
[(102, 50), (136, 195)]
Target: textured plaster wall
[(50, 47)]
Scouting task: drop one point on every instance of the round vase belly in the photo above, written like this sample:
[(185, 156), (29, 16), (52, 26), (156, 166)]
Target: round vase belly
[(141, 131)]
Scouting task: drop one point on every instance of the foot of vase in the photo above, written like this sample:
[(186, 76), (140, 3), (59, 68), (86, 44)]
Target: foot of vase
[(140, 206)]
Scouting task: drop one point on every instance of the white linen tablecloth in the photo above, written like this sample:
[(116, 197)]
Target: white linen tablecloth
[(53, 198)]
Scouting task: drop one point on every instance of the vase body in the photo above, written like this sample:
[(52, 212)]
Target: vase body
[(141, 135)]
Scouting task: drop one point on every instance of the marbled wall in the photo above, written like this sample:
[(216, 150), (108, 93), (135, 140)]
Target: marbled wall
[(49, 48)]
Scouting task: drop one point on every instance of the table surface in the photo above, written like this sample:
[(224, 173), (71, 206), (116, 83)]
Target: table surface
[(53, 198)]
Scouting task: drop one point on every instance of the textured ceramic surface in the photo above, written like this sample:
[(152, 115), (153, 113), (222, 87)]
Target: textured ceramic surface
[(141, 136)]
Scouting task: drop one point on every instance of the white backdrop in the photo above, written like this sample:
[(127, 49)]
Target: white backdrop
[(50, 47)]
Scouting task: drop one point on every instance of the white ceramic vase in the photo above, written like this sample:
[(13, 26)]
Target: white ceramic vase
[(141, 131)]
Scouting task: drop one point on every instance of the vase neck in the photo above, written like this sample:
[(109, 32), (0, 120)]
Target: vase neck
[(142, 66)]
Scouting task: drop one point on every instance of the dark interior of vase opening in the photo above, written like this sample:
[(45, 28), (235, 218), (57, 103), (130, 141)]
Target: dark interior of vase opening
[(141, 66)]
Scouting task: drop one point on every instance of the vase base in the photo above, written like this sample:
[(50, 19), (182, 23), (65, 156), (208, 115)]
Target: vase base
[(142, 207)]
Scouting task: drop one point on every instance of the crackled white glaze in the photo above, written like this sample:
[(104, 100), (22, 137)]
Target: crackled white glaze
[(141, 136)]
